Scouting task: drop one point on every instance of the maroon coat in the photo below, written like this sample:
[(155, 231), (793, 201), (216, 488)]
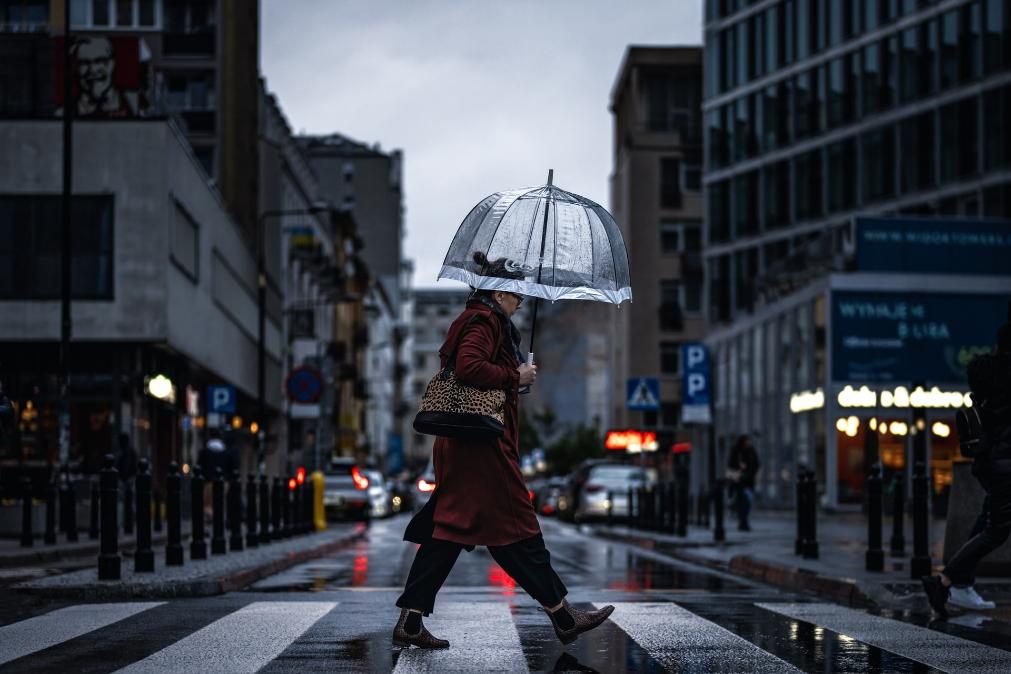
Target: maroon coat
[(481, 498)]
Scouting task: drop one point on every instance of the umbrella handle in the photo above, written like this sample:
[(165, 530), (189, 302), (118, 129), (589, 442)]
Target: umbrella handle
[(530, 358)]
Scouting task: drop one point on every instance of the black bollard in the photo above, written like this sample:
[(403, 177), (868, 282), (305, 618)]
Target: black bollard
[(297, 516), (198, 544), (252, 540), (71, 511), (218, 516), (898, 542), (276, 510), (875, 557), (50, 536), (310, 506), (173, 515), (157, 509), (127, 508), (235, 512), (64, 498), (264, 510), (920, 563), (798, 544), (108, 559), (143, 556), (289, 513), (95, 499), (683, 501), (671, 507), (27, 532), (811, 537), (719, 533)]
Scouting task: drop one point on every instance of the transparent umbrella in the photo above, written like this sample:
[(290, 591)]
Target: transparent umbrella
[(564, 245)]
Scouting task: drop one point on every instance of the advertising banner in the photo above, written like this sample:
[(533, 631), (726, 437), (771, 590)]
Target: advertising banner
[(934, 245)]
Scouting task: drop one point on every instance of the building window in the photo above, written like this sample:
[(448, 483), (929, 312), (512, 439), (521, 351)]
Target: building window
[(996, 36), (807, 185), (670, 183), (24, 13), (916, 154), (772, 46), (776, 187), (671, 318), (807, 101), (679, 237), (841, 172), (871, 82), (918, 49), (878, 149), (716, 123), (670, 358), (30, 247), (189, 16), (745, 204), (959, 144), (190, 91), (719, 212), (776, 116), (996, 111), (124, 14)]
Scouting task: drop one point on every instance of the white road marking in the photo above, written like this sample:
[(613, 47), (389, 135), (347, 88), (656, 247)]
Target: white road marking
[(243, 641), (482, 637), (929, 647), (35, 634), (684, 642)]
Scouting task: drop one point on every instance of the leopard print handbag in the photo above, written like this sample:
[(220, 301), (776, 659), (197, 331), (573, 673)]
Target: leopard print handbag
[(451, 409)]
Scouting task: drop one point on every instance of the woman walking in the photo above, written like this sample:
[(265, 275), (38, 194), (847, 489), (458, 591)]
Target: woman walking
[(480, 497)]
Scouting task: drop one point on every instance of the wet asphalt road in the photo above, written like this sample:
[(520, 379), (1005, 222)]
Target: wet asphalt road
[(337, 614)]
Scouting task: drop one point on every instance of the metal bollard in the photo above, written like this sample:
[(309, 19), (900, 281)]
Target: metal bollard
[(719, 533), (218, 516), (252, 540), (173, 513), (235, 512), (50, 536), (898, 542), (276, 510), (264, 511), (296, 506), (683, 501), (811, 536), (64, 498), (920, 563), (798, 544), (875, 557), (93, 515), (27, 533), (71, 511), (127, 508), (310, 500), (108, 558), (289, 512), (658, 506), (671, 498), (198, 544), (157, 509), (143, 556)]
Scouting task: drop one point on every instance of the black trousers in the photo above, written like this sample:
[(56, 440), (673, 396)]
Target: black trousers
[(961, 568), (527, 562)]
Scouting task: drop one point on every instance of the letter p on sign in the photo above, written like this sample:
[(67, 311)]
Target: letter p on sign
[(696, 356), (696, 384)]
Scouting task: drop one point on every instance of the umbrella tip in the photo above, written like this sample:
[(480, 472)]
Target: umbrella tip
[(551, 177)]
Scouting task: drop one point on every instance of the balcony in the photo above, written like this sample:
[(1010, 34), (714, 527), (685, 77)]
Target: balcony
[(198, 121), (189, 45)]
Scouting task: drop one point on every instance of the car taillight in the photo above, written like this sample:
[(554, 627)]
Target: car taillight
[(425, 486), (594, 488), (300, 475), (361, 482), (292, 484)]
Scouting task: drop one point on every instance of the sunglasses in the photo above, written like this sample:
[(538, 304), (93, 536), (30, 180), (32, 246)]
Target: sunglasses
[(519, 299)]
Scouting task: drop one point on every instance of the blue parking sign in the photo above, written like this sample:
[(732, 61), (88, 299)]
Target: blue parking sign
[(221, 399), (695, 398)]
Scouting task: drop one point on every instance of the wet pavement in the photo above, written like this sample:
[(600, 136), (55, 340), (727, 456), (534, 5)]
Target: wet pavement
[(337, 614)]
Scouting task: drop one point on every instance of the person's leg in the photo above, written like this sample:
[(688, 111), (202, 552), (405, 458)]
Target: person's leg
[(432, 564), (528, 562)]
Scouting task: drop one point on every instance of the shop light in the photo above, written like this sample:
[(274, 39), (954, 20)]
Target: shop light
[(236, 423), (873, 423), (862, 397), (901, 396), (898, 428), (941, 429), (254, 428), (849, 425), (805, 401), (186, 469), (921, 424), (162, 388)]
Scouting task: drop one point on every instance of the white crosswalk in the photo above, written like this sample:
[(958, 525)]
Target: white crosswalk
[(41, 632), (929, 647), (483, 634)]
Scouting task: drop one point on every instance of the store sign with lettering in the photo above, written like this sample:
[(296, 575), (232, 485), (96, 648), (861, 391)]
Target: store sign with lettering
[(934, 245)]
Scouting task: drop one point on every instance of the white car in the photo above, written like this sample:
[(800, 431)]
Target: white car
[(609, 480), (380, 494)]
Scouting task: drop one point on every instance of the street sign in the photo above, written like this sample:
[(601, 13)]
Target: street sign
[(221, 399), (643, 394), (695, 384), (304, 385), (631, 440)]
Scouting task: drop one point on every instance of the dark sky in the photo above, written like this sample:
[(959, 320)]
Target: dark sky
[(481, 95)]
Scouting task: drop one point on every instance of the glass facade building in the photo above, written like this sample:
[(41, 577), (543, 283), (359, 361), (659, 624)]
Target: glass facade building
[(815, 112)]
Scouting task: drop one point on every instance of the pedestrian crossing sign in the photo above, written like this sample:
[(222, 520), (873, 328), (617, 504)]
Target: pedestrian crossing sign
[(643, 394)]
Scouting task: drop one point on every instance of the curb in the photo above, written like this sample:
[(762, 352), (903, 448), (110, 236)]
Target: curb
[(47, 555), (198, 587), (797, 579)]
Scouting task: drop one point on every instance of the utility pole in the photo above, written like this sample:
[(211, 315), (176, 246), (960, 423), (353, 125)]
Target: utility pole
[(65, 236)]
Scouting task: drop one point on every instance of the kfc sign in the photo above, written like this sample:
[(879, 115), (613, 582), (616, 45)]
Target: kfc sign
[(109, 76)]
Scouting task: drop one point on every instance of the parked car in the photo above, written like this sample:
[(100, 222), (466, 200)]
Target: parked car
[(569, 499), (380, 494), (423, 487), (346, 491), (548, 495), (608, 481)]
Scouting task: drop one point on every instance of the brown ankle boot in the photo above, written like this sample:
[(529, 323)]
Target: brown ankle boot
[(423, 639), (583, 621)]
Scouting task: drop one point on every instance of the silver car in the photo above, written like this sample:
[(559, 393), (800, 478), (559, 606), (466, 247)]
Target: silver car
[(607, 487), (380, 494)]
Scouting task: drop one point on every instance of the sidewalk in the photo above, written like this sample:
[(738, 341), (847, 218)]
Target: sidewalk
[(13, 555), (766, 553), (216, 575)]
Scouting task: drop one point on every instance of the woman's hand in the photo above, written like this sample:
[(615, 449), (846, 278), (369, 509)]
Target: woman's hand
[(528, 374)]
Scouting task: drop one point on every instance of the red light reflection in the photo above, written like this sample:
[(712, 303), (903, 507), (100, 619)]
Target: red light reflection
[(499, 578)]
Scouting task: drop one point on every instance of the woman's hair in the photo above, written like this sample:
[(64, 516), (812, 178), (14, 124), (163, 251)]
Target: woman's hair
[(494, 268)]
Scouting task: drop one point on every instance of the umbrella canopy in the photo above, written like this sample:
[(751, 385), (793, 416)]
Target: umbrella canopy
[(566, 246)]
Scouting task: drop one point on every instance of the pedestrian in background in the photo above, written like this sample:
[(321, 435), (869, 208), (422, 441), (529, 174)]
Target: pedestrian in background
[(990, 382), (743, 466), (214, 455), (481, 497)]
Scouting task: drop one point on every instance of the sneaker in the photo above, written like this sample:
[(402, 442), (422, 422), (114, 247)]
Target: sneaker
[(937, 594), (967, 598)]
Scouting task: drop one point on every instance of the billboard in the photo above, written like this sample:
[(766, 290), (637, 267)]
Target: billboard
[(110, 76), (934, 245), (907, 337)]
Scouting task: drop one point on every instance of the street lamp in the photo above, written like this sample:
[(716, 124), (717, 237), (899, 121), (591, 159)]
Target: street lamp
[(261, 306)]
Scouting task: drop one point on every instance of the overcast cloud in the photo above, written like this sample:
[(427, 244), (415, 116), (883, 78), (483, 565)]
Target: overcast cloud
[(481, 95)]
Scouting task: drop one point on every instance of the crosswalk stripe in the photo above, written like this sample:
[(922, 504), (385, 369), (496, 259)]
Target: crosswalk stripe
[(243, 641), (929, 647), (35, 634), (482, 637), (682, 641)]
